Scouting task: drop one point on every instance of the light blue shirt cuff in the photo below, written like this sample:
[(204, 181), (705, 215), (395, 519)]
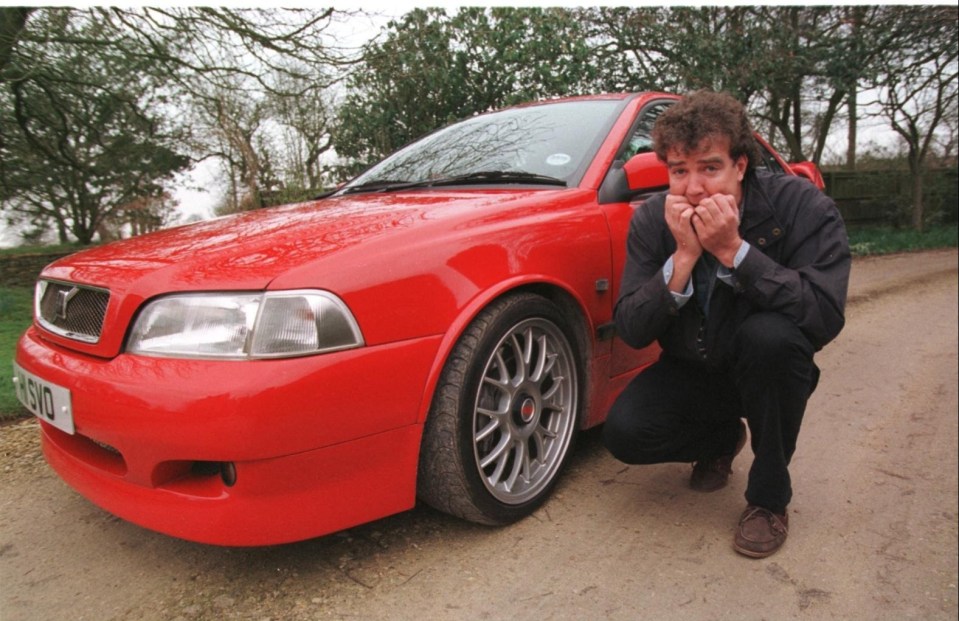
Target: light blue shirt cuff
[(741, 254), (680, 298), (724, 274)]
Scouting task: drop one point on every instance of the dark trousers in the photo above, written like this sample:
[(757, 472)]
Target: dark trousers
[(680, 411)]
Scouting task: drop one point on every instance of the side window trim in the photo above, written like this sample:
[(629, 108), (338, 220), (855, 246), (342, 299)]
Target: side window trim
[(769, 161), (614, 188), (643, 123)]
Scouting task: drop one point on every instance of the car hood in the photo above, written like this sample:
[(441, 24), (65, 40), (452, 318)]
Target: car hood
[(248, 251)]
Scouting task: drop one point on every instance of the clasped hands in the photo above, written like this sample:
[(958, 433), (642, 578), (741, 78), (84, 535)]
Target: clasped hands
[(712, 225)]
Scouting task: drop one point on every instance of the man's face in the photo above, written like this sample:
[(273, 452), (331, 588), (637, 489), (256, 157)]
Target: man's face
[(705, 171)]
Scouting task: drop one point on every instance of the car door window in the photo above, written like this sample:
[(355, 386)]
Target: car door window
[(641, 139), (767, 161)]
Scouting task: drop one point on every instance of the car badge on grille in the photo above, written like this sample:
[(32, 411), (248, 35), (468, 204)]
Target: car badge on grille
[(63, 300)]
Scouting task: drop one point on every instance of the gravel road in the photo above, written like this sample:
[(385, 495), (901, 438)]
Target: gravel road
[(873, 521)]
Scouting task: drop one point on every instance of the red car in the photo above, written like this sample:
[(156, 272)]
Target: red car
[(439, 327)]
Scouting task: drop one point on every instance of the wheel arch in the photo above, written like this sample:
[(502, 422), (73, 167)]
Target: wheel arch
[(571, 307)]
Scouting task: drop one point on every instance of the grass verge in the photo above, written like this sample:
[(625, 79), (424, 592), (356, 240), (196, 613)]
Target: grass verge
[(16, 312), (871, 240), (64, 248)]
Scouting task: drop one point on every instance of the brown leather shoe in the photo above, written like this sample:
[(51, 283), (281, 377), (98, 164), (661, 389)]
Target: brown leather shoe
[(761, 532), (710, 475)]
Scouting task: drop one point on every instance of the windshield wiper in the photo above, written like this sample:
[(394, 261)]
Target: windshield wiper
[(379, 186), (499, 176), (482, 177)]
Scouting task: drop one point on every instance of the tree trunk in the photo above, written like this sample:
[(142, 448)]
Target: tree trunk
[(853, 128), (856, 15), (12, 22), (62, 232), (917, 205)]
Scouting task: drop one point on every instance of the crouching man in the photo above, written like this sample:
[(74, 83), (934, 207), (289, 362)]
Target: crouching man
[(741, 275)]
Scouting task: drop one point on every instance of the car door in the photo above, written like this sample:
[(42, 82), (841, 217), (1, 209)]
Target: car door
[(625, 360)]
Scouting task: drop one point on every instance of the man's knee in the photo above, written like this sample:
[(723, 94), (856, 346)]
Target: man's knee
[(619, 432), (772, 338), (634, 437), (773, 354)]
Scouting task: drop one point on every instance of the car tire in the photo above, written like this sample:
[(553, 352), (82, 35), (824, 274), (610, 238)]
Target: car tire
[(505, 413)]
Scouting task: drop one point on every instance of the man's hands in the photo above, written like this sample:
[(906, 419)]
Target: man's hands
[(712, 225), (716, 222), (679, 219)]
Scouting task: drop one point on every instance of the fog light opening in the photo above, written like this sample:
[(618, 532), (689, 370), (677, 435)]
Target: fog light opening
[(228, 473)]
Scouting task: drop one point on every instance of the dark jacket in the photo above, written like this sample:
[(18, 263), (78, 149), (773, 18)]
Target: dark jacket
[(798, 266)]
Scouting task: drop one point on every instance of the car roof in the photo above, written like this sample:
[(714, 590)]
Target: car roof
[(597, 97)]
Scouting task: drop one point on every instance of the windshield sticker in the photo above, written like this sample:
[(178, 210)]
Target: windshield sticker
[(558, 159)]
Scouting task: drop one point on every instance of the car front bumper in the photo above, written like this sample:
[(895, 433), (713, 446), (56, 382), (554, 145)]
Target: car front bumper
[(240, 453)]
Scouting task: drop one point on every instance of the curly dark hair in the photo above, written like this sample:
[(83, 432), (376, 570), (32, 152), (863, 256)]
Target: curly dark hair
[(701, 115)]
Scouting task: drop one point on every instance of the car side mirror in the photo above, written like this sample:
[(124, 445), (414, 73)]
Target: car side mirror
[(645, 172), (810, 171)]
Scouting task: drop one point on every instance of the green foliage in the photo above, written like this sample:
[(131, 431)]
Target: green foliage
[(434, 68), (95, 104), (16, 312), (794, 65), (799, 68), (80, 133), (681, 48), (873, 240), (95, 101)]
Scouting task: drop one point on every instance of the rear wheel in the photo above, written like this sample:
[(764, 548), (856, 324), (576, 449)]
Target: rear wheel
[(502, 423)]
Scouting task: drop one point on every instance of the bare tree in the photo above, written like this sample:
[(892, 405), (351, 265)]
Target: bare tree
[(918, 88), (798, 67), (307, 134), (77, 138), (127, 76)]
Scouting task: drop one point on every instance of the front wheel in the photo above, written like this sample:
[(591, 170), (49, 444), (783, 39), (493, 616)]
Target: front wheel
[(502, 423)]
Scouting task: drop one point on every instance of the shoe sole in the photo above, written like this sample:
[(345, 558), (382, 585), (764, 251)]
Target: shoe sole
[(754, 553)]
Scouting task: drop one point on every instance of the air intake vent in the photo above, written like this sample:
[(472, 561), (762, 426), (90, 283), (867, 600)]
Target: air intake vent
[(72, 311)]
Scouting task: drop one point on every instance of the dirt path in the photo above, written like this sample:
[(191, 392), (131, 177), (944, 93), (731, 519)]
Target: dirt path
[(874, 518)]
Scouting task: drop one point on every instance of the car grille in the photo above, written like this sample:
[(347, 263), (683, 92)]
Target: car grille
[(73, 311)]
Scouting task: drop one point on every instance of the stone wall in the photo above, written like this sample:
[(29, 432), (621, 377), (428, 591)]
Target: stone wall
[(21, 270)]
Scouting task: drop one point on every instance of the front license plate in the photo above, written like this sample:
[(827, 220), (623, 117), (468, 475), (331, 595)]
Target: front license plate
[(49, 402)]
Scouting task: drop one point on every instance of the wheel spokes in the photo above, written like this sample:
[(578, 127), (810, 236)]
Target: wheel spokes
[(525, 411)]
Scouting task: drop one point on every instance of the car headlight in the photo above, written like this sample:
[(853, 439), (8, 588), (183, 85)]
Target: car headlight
[(277, 324)]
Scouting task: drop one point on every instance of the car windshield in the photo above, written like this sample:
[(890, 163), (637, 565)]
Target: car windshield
[(540, 144)]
